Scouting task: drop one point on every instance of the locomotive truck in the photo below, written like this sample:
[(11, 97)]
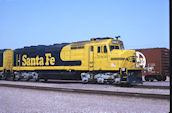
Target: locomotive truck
[(98, 59)]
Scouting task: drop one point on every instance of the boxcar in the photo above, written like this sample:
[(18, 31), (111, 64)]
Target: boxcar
[(157, 63)]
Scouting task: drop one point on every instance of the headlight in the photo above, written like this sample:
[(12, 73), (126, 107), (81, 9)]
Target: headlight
[(123, 69)]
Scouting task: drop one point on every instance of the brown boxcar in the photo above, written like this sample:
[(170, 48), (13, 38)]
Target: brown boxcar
[(157, 63)]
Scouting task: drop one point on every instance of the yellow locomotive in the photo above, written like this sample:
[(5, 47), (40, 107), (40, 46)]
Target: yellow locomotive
[(99, 59)]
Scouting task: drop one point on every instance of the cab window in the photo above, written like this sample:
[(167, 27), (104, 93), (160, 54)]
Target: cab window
[(98, 50), (113, 47), (105, 49)]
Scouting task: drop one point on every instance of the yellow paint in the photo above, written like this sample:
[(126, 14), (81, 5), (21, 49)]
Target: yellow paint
[(1, 69), (49, 59), (8, 60), (80, 51), (92, 60), (123, 81)]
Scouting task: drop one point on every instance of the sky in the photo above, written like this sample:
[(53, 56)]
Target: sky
[(139, 23)]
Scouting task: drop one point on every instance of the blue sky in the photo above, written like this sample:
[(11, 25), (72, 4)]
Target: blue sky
[(140, 23)]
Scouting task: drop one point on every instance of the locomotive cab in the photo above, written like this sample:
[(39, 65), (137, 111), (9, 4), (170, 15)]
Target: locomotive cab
[(109, 61)]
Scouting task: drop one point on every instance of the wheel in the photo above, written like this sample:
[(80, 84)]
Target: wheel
[(152, 78), (17, 76), (158, 77), (37, 80), (84, 80), (163, 78), (36, 77), (6, 76), (45, 79), (1, 76), (146, 78), (28, 79), (100, 80)]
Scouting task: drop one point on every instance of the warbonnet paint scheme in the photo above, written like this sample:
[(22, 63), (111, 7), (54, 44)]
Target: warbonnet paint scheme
[(100, 59)]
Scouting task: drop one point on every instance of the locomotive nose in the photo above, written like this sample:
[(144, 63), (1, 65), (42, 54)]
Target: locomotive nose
[(124, 58), (136, 57)]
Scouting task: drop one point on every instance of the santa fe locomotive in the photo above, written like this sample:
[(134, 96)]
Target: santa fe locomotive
[(99, 59)]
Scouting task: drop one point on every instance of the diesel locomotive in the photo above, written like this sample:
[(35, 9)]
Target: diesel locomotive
[(98, 59)]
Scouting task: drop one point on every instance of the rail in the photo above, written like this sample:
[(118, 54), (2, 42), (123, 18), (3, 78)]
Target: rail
[(101, 92)]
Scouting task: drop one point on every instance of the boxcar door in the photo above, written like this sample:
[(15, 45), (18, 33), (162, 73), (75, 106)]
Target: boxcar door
[(91, 58)]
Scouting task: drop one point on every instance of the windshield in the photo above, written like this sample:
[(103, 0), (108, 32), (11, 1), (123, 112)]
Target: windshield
[(113, 47)]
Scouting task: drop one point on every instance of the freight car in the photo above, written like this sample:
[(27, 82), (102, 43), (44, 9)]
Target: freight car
[(157, 66), (99, 59)]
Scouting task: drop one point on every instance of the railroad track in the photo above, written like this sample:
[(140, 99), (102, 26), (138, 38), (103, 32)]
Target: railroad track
[(101, 92), (137, 86), (152, 87), (80, 82)]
